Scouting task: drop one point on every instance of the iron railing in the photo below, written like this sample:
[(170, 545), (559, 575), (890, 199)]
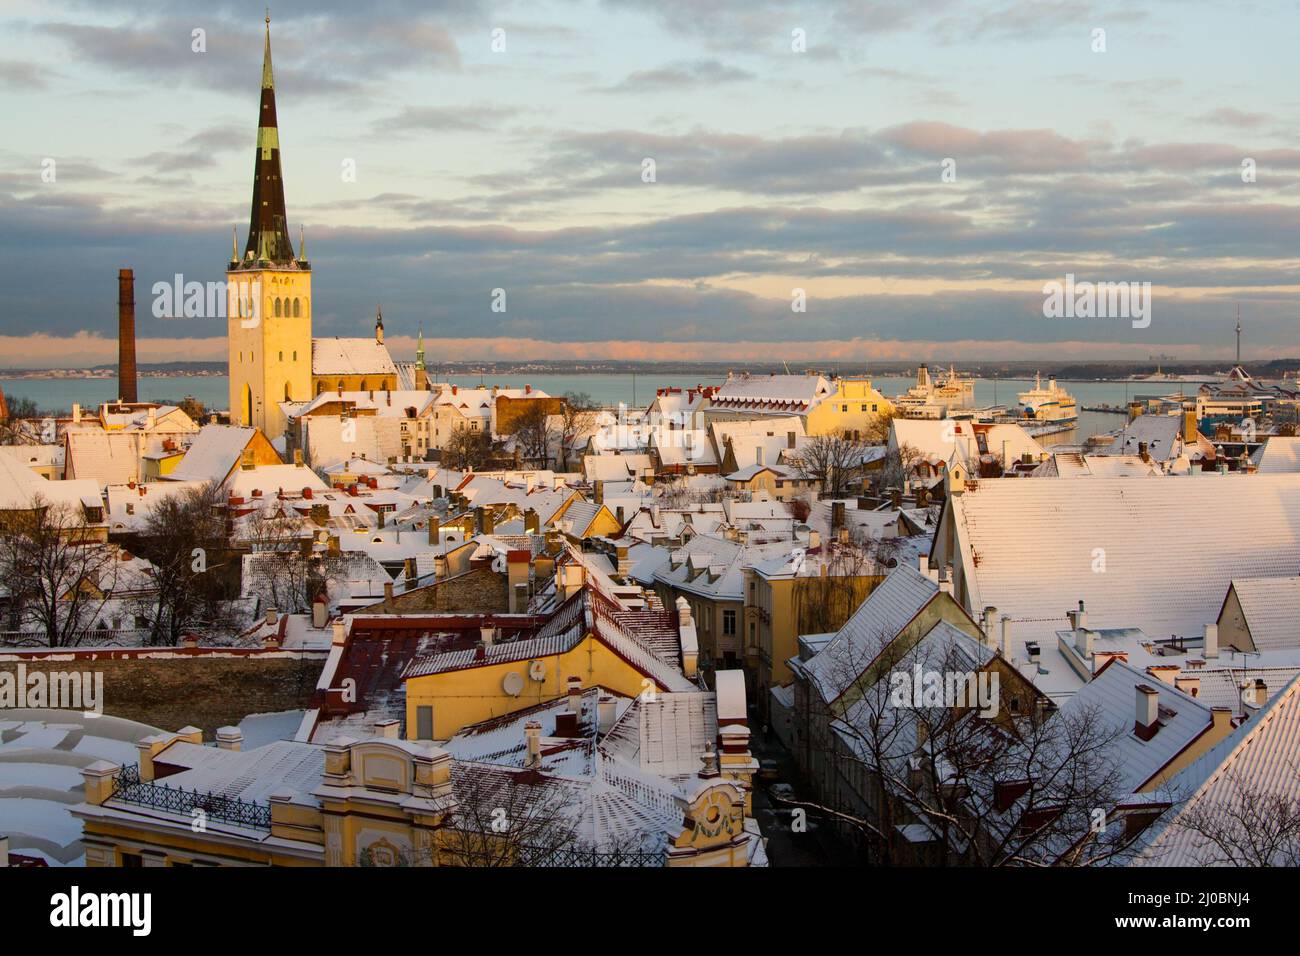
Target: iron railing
[(95, 637), (572, 856), (158, 796)]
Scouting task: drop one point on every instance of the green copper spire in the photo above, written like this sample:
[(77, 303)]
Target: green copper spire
[(419, 349)]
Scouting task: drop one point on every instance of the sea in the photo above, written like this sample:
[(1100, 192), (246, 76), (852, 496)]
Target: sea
[(59, 394)]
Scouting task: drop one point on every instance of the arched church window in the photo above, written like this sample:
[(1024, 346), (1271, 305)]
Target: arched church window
[(297, 309), (279, 308)]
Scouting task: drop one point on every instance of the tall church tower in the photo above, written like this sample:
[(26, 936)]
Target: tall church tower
[(269, 302)]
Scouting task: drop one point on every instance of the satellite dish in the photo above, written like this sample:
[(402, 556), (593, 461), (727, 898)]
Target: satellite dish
[(537, 670), (513, 683)]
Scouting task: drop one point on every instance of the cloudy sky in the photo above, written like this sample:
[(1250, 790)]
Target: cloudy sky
[(775, 170)]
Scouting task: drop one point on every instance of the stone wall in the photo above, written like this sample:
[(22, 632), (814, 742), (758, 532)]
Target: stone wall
[(206, 690)]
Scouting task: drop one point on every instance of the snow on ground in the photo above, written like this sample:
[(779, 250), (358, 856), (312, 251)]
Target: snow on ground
[(262, 729)]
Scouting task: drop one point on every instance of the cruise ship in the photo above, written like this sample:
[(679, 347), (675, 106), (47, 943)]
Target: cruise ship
[(1051, 405), (951, 394)]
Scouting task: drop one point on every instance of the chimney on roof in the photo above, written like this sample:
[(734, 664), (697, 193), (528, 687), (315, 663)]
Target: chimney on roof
[(1005, 646), (1211, 649), (684, 618), (1144, 451), (388, 728), (532, 523), (1148, 711), (1189, 684), (990, 615), (126, 368), (533, 739), (598, 491), (319, 611), (575, 693), (606, 713), (230, 738), (488, 633), (434, 526), (1254, 694)]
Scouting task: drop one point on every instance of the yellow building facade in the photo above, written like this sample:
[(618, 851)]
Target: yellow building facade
[(856, 408)]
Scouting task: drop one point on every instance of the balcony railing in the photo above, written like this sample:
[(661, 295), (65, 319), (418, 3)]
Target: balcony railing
[(158, 796)]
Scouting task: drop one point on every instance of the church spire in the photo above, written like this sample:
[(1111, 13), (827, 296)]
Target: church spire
[(379, 325), (421, 373), (268, 231)]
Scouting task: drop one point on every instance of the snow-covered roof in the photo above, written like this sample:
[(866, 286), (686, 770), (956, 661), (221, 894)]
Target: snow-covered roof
[(338, 356), (215, 450), (791, 393), (616, 467), (1080, 465), (1111, 696), (395, 404), (1278, 454), (1162, 435), (1271, 607), (1169, 547), (666, 735), (940, 439), (110, 458), (1236, 780), (885, 613)]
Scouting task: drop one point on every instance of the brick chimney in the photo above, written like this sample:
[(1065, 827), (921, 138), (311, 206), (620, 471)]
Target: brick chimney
[(1147, 716), (126, 370)]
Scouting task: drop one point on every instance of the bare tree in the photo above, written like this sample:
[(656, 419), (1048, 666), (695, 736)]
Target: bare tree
[(899, 465), (59, 574), (877, 430), (17, 422), (183, 538), (1251, 826), (835, 462), (282, 569), (1019, 788), (467, 449), (534, 433), (822, 602), (577, 418)]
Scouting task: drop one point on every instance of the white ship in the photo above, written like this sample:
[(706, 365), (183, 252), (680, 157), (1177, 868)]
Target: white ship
[(930, 399), (1052, 405)]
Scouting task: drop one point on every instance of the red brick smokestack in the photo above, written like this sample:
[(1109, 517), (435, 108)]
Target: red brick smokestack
[(126, 375)]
